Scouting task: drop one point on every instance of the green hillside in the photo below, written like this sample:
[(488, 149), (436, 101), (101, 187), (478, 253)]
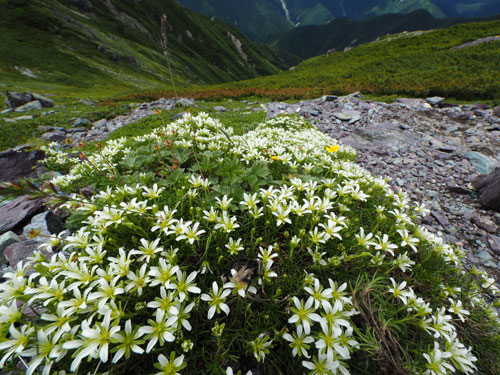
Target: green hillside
[(312, 40), (116, 45), (418, 64)]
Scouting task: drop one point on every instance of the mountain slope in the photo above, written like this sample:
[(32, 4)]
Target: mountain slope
[(312, 40), (84, 43), (421, 63), (259, 19)]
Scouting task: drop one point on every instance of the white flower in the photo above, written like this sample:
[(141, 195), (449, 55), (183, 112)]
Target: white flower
[(239, 285), (260, 347), (138, 280), (234, 246), (384, 244), (226, 223), (170, 366), (184, 284), (216, 300), (128, 341), (319, 295), (456, 308), (152, 193), (224, 203), (304, 314), (321, 365), (148, 249), (437, 364), (398, 291), (157, 331), (190, 233), (282, 215), (299, 341)]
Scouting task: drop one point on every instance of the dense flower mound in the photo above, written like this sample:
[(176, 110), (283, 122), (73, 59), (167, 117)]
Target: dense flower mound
[(194, 251)]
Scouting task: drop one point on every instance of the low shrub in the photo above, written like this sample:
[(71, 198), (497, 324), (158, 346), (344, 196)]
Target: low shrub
[(194, 251)]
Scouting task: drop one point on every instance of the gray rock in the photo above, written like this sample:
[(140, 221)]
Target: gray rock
[(16, 99), (16, 164), (18, 252), (434, 100), (31, 106), (485, 223), (17, 212), (457, 189), (489, 189), (7, 239), (413, 103), (46, 102), (5, 111), (81, 122), (314, 113), (482, 163), (494, 243), (484, 256), (496, 111), (77, 130), (21, 118), (329, 98), (44, 224), (342, 116), (89, 102), (55, 136), (440, 218), (99, 124), (220, 108), (183, 102), (439, 162)]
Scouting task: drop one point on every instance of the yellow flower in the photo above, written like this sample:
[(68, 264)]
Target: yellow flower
[(275, 157), (333, 148)]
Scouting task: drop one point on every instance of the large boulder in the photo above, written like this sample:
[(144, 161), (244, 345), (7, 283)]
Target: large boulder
[(16, 99), (15, 214), (488, 187), (15, 165), (46, 102)]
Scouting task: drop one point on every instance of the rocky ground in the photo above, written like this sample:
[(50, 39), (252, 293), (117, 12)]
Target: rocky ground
[(430, 149)]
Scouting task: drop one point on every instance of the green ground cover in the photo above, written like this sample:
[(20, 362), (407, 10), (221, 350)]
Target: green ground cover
[(413, 65)]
